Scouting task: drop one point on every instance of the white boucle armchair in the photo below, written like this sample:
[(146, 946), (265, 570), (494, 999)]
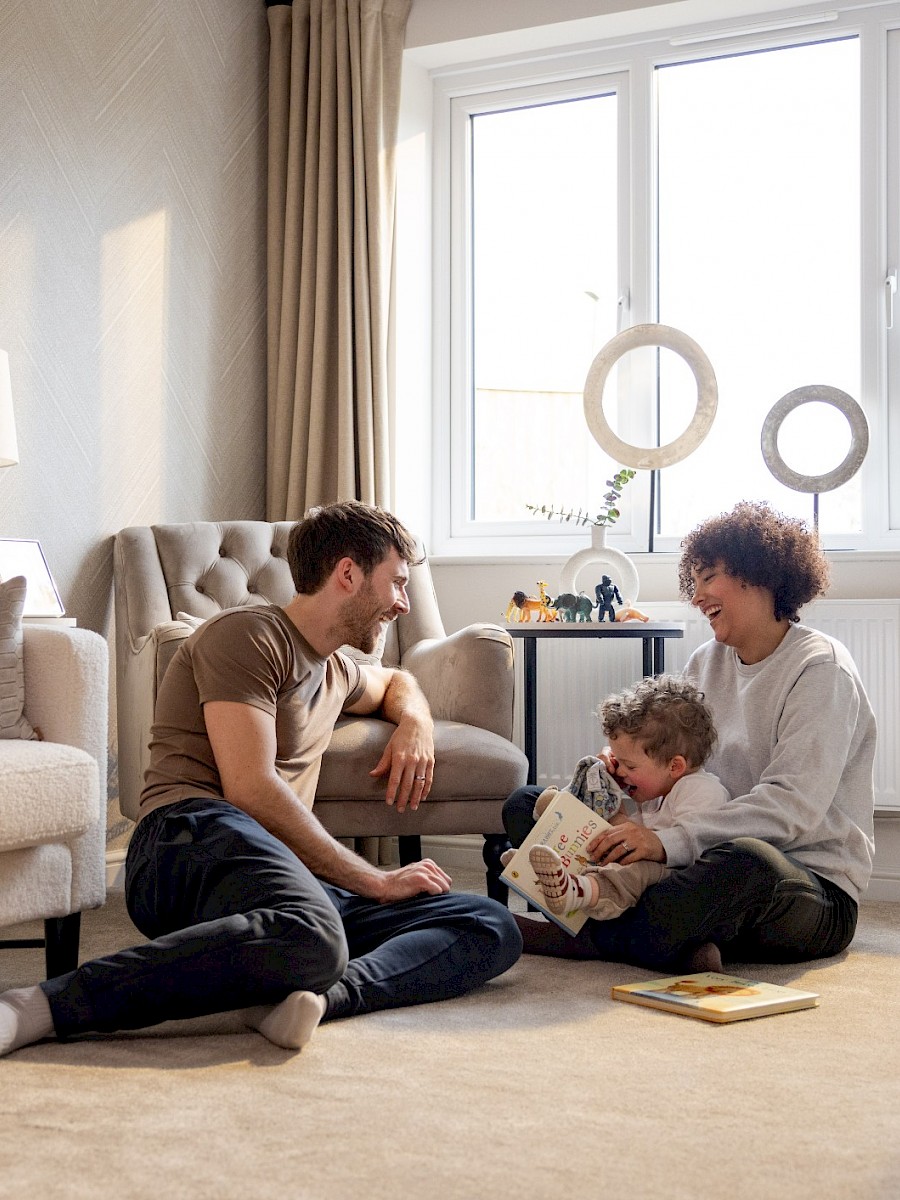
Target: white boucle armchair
[(198, 569), (53, 793)]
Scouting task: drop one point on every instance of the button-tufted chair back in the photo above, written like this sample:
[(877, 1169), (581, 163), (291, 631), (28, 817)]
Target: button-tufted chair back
[(211, 566)]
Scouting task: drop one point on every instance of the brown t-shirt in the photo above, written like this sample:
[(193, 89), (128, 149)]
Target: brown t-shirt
[(253, 655)]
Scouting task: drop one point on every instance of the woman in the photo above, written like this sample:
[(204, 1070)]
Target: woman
[(775, 874)]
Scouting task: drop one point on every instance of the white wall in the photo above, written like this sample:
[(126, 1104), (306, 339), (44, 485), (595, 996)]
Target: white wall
[(132, 253)]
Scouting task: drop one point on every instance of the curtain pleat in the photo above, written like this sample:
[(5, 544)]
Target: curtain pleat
[(334, 100)]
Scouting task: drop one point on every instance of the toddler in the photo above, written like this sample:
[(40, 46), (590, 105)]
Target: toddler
[(660, 734)]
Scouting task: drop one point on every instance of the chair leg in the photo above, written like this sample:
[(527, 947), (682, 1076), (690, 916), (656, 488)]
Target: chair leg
[(61, 936), (409, 846), (494, 845)]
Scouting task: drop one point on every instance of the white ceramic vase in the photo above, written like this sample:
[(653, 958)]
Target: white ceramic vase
[(605, 561)]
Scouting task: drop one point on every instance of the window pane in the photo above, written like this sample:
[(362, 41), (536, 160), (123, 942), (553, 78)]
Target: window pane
[(544, 296), (759, 262)]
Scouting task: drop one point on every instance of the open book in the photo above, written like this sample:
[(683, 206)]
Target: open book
[(715, 997), (566, 826)]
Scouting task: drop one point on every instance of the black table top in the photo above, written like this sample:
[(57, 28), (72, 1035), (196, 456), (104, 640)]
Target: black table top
[(626, 629)]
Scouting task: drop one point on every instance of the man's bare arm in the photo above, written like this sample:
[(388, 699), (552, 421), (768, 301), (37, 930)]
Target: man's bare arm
[(243, 742)]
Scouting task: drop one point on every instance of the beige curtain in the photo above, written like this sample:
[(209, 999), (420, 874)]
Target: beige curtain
[(334, 97)]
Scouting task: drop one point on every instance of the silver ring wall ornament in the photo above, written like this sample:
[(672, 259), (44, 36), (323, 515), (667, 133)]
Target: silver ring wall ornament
[(651, 458), (859, 438)]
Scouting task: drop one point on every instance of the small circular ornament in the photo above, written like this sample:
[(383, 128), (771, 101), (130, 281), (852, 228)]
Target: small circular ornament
[(859, 438)]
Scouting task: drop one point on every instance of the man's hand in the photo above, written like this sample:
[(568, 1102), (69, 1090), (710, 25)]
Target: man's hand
[(626, 843), (412, 880), (408, 759), (408, 762)]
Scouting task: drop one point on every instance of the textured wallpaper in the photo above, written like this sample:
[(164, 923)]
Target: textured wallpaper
[(132, 275)]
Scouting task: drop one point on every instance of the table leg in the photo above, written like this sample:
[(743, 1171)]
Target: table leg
[(659, 655), (530, 679)]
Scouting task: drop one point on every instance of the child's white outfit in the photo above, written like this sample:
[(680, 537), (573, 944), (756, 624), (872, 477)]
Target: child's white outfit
[(622, 886)]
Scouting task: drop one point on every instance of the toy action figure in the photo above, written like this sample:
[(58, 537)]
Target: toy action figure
[(605, 592)]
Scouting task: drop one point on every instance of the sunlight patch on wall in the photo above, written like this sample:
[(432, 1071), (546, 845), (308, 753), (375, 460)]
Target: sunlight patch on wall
[(132, 366)]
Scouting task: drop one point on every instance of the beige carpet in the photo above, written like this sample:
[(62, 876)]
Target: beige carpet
[(537, 1086)]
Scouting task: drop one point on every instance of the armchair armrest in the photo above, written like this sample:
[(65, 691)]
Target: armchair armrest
[(142, 664), (66, 687), (467, 677)]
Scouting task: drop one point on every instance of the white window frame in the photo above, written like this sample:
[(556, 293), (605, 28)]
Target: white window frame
[(630, 65)]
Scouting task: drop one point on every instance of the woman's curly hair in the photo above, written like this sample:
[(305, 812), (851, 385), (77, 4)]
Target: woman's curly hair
[(763, 548)]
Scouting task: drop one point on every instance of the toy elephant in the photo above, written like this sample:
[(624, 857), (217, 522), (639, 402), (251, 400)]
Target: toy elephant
[(573, 608)]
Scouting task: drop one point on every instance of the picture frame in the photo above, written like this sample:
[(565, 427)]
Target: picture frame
[(24, 556)]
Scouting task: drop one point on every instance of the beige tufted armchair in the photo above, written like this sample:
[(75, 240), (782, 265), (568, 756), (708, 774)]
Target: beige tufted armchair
[(202, 567)]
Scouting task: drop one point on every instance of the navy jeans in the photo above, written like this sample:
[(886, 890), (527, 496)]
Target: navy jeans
[(237, 920), (755, 903)]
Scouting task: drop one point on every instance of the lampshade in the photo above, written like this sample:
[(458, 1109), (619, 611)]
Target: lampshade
[(9, 450)]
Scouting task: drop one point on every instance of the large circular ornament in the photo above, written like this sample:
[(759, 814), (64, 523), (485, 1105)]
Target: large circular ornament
[(651, 457), (859, 438)]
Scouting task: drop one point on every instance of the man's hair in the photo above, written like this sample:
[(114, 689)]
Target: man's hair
[(763, 548), (347, 529), (666, 716)]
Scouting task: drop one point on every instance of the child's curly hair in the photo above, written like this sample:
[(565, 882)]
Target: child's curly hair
[(666, 715), (761, 547)]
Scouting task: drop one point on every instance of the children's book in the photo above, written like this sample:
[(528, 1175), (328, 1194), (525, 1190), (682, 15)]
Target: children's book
[(566, 826), (714, 997)]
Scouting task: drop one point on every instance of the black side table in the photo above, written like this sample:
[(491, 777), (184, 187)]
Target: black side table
[(653, 635)]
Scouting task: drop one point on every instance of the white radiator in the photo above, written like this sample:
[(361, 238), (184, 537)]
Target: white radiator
[(575, 674)]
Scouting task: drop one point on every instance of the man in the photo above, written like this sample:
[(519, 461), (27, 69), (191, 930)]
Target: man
[(249, 902)]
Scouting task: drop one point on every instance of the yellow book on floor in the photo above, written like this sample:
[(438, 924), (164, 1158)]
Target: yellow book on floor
[(715, 997), (566, 826)]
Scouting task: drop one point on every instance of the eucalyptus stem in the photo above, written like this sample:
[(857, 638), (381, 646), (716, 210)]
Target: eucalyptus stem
[(608, 515)]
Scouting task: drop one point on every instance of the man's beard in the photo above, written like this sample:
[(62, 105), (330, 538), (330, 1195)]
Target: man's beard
[(363, 621)]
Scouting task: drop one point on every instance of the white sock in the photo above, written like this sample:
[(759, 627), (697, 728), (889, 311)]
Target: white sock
[(563, 892), (291, 1023), (24, 1018)]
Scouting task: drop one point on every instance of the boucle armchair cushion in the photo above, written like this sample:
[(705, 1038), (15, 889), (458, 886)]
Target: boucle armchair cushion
[(48, 793), (12, 674)]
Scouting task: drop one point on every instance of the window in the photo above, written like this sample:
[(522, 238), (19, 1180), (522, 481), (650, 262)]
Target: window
[(541, 305), (735, 188)]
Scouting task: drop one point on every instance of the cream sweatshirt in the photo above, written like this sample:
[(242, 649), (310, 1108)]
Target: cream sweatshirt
[(796, 751)]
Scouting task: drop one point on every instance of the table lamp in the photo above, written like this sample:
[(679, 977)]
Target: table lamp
[(9, 450)]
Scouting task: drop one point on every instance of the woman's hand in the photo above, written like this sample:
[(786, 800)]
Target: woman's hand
[(625, 843)]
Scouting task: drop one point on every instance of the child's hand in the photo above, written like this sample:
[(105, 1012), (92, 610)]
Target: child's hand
[(611, 763)]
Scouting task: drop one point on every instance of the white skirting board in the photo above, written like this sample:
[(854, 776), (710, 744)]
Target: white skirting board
[(115, 870), (465, 852), (461, 852)]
